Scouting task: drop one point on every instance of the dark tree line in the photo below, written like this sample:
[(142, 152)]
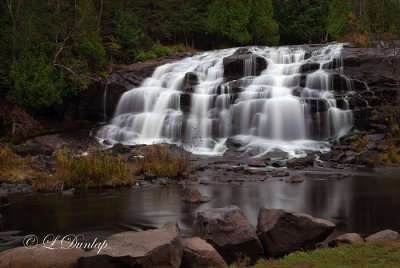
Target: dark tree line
[(54, 48)]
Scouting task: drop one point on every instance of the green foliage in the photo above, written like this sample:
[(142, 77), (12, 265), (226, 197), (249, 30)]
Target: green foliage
[(179, 48), (36, 82), (228, 19), (156, 51), (161, 50), (145, 55), (264, 28), (128, 34), (339, 14), (55, 47), (353, 20), (242, 22), (301, 20)]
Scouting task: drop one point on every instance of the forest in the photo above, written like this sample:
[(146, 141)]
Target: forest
[(52, 49)]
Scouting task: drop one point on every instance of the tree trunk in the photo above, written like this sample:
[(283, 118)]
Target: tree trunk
[(101, 10)]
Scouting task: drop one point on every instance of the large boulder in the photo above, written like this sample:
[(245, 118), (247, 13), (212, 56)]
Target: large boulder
[(349, 238), (197, 253), (282, 231), (42, 257), (153, 248), (386, 235), (229, 232), (234, 65)]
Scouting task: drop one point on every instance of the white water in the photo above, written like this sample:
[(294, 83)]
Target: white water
[(266, 114)]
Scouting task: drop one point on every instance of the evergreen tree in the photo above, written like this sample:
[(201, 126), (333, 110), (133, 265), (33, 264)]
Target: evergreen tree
[(264, 28), (228, 21), (301, 20)]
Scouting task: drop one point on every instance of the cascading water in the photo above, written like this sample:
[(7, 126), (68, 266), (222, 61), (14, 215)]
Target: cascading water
[(284, 107)]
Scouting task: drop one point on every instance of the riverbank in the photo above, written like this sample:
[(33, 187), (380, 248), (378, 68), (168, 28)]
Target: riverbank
[(379, 254)]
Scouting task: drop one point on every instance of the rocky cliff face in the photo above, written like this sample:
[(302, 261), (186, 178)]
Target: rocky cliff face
[(370, 74)]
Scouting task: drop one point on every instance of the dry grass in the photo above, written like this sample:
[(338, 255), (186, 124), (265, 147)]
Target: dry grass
[(392, 143), (14, 120), (161, 161), (99, 168), (361, 39), (96, 168), (13, 167)]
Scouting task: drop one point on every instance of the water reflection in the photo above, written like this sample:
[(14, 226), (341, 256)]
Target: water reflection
[(362, 204)]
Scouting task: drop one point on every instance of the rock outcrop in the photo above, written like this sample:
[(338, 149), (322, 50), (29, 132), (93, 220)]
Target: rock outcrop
[(229, 232), (197, 253), (153, 248), (234, 65), (282, 231)]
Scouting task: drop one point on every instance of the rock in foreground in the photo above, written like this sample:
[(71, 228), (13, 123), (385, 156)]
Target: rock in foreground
[(283, 231), (153, 248), (386, 235), (41, 257), (349, 238), (197, 253), (229, 232)]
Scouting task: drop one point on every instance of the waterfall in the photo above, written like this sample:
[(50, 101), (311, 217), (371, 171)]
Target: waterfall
[(283, 107)]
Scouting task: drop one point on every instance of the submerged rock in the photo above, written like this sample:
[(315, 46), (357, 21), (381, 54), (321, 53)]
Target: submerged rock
[(42, 257), (197, 253), (194, 196), (206, 182), (153, 248), (278, 173), (229, 232), (282, 231), (256, 163), (386, 235), (296, 179), (349, 238)]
